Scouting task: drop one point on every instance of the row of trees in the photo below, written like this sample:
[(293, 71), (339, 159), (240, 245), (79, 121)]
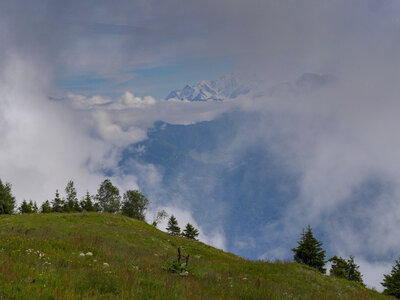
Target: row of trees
[(309, 252), (134, 204)]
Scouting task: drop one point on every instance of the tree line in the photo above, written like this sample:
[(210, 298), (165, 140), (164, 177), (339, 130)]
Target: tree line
[(107, 200), (134, 204), (309, 252)]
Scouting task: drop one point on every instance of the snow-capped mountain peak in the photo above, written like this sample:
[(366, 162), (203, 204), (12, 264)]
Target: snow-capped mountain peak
[(227, 87)]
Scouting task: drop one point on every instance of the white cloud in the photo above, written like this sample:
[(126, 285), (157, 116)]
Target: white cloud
[(43, 144), (372, 272), (128, 100), (83, 102)]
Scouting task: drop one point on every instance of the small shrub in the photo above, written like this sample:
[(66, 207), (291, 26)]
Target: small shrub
[(178, 267)]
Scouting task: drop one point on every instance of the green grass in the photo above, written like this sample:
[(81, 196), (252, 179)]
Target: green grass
[(40, 259)]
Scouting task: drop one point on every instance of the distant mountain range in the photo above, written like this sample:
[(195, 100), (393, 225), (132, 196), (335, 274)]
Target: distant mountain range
[(231, 86), (242, 184), (226, 87)]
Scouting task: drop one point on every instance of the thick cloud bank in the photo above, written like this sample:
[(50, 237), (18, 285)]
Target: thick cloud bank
[(339, 139)]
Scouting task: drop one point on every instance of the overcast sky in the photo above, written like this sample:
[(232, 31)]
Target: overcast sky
[(81, 81)]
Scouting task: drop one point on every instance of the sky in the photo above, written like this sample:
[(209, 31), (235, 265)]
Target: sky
[(80, 82)]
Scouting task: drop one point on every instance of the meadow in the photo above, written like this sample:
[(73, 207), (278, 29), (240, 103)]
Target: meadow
[(105, 256)]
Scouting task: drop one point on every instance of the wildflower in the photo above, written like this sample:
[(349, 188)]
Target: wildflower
[(89, 254), (244, 278), (106, 265), (184, 273), (82, 254)]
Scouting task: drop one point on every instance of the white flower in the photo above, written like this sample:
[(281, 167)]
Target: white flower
[(106, 265), (81, 254), (89, 254)]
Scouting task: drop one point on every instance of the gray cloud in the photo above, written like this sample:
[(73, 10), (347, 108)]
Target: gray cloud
[(337, 137)]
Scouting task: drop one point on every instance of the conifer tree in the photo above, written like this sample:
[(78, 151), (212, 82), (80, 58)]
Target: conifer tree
[(353, 273), (173, 227), (87, 204), (7, 200), (76, 206), (57, 203), (46, 207), (345, 269), (34, 206), (391, 281), (190, 232), (25, 208), (309, 251)]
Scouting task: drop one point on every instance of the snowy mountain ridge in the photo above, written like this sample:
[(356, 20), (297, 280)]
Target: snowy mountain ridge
[(226, 87)]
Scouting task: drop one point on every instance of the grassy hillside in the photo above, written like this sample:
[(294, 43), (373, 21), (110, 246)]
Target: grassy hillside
[(40, 258)]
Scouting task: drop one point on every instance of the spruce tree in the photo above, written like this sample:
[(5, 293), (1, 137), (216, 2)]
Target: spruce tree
[(25, 208), (46, 207), (57, 203), (345, 269), (173, 227), (87, 204), (34, 206), (190, 232), (309, 251), (353, 273), (391, 281), (7, 200)]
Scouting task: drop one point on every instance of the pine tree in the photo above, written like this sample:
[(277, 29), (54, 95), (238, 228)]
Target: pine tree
[(46, 207), (309, 251), (190, 232), (7, 200), (25, 208), (345, 269), (57, 203), (87, 204), (391, 281), (108, 197), (173, 227), (34, 207), (76, 206), (134, 205), (353, 273)]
